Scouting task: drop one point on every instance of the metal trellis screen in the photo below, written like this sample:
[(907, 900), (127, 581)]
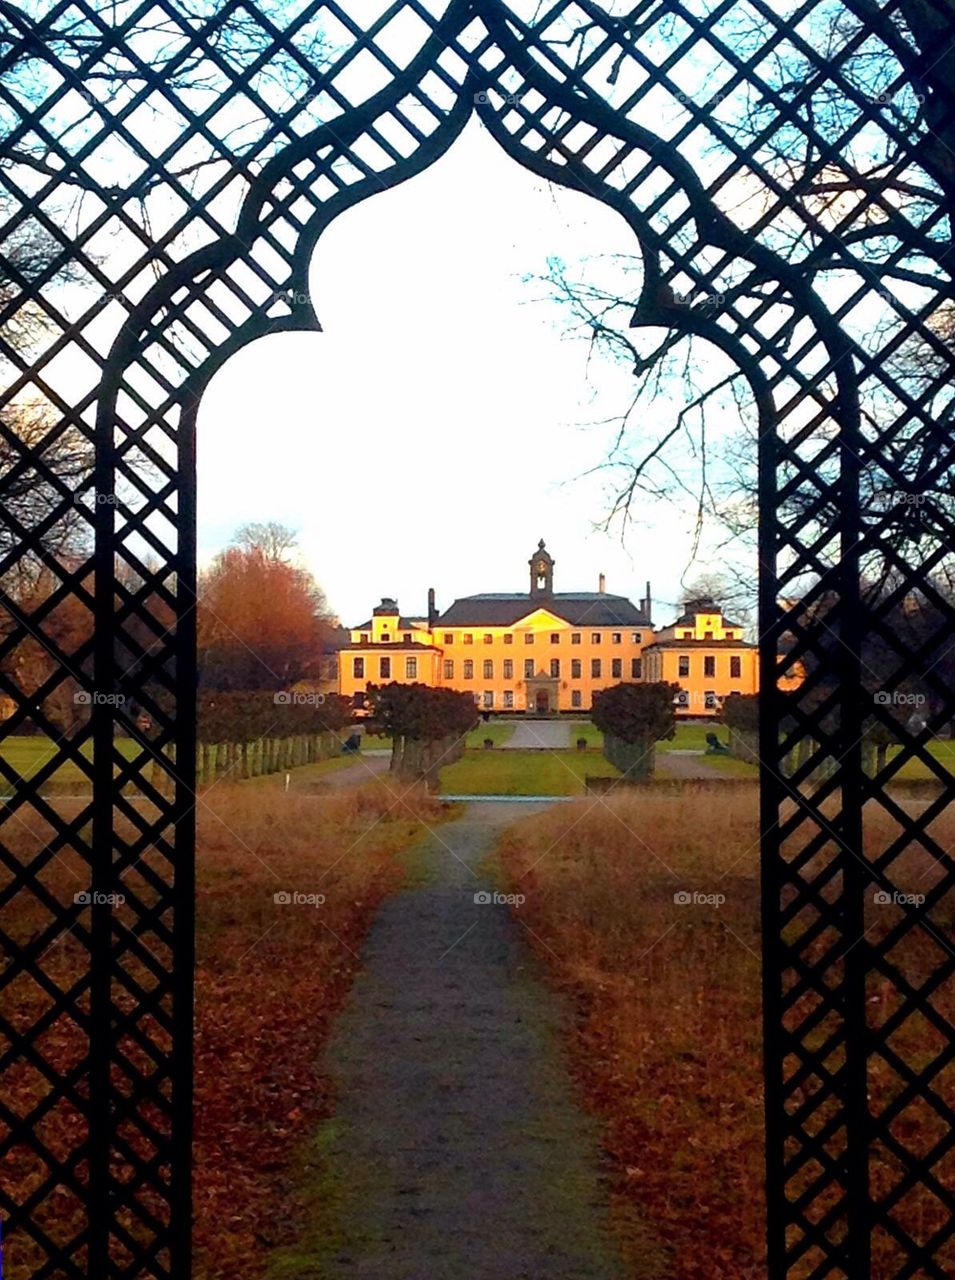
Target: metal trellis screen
[(788, 173)]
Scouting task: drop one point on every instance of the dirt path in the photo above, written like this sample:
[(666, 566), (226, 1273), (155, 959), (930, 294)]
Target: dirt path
[(363, 769), (457, 1150)]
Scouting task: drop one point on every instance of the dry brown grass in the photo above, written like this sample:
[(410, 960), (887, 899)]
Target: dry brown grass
[(667, 1036), (269, 978)]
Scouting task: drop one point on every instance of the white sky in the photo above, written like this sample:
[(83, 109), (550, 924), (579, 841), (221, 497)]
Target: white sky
[(437, 427)]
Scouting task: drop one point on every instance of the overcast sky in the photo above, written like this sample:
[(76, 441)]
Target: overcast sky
[(443, 421)]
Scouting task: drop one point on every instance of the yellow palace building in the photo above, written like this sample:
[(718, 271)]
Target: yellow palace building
[(544, 652)]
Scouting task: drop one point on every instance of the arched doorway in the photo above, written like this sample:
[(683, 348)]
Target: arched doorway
[(171, 313)]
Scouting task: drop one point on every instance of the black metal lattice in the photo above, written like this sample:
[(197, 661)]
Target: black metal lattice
[(788, 171)]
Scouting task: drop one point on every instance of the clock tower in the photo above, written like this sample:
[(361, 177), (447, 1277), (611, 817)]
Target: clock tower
[(542, 571)]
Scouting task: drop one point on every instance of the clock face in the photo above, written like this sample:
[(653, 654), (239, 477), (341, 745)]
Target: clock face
[(542, 568)]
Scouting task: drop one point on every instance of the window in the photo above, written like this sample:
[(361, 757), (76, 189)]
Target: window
[(384, 668), (366, 636), (555, 667), (449, 668), (710, 700), (736, 667), (385, 638), (684, 664), (406, 636), (508, 637), (617, 637), (468, 669), (707, 635), (487, 699), (448, 638), (709, 666), (555, 637), (411, 668), (359, 668), (508, 668), (637, 637), (508, 697), (595, 638), (687, 635), (575, 698), (488, 637), (575, 669), (595, 668), (358, 700), (682, 699), (488, 669), (616, 669), (528, 637), (636, 668), (468, 638), (528, 668), (575, 637)]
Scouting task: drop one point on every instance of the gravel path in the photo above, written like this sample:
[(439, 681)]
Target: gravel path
[(683, 765), (554, 734), (457, 1150)]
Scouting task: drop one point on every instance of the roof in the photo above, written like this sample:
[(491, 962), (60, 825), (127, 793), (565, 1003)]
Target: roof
[(403, 624), (692, 643), (579, 608)]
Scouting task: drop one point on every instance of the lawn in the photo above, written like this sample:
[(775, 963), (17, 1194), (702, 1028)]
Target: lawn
[(28, 755), (524, 773), (497, 730), (644, 910)]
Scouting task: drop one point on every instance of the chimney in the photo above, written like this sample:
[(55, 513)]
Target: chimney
[(432, 611), (647, 602), (602, 583)]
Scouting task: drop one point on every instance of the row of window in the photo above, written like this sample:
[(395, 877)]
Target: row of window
[(486, 699), (709, 666), (576, 668), (384, 668), (576, 637)]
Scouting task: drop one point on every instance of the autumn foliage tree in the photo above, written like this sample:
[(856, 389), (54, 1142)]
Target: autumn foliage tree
[(428, 727), (261, 618)]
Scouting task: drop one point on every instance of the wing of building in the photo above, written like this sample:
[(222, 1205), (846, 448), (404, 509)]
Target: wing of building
[(544, 651)]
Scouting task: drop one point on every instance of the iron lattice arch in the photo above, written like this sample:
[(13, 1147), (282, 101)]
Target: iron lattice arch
[(167, 171)]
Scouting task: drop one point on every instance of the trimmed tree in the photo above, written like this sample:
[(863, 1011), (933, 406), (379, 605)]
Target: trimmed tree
[(428, 727), (633, 718), (741, 716)]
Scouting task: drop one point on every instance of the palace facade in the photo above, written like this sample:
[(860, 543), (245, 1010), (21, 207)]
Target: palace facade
[(543, 652)]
